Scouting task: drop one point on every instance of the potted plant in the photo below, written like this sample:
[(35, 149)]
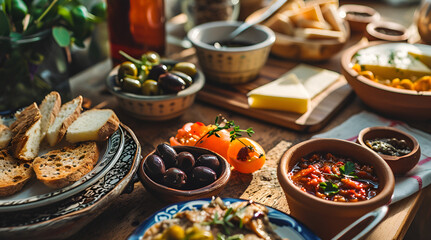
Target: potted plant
[(33, 37)]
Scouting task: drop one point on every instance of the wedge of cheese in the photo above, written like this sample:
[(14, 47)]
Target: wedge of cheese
[(285, 94), (425, 59), (294, 90)]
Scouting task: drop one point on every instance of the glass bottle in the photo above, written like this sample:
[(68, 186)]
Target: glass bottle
[(136, 26)]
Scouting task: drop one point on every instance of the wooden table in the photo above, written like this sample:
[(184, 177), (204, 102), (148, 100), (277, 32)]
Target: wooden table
[(129, 210)]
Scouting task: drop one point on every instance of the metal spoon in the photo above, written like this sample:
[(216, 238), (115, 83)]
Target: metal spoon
[(244, 26)]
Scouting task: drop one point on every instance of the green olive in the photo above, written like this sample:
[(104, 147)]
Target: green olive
[(150, 88), (185, 67), (196, 233), (127, 69), (187, 79), (131, 85), (175, 232), (152, 57), (145, 70)]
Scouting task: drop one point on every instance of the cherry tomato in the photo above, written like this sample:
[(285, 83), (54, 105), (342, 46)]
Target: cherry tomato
[(191, 133), (246, 155)]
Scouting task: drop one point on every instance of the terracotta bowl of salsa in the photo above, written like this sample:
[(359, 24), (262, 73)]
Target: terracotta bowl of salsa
[(330, 183), (398, 148)]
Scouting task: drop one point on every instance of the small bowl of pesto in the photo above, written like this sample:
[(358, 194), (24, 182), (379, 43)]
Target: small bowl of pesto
[(400, 150)]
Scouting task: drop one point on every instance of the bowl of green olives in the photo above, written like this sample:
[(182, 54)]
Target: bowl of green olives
[(182, 173), (151, 88)]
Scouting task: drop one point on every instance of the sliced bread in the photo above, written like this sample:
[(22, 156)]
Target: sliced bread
[(13, 174), (93, 125), (61, 167), (49, 109), (69, 112), (5, 136), (26, 133)]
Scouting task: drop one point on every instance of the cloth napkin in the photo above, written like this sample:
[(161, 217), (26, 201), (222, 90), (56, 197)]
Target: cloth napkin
[(417, 178)]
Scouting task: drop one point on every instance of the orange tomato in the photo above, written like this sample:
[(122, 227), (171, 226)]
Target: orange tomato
[(192, 134), (246, 158)]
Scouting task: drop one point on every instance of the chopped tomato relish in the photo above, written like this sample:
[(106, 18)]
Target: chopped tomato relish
[(335, 178)]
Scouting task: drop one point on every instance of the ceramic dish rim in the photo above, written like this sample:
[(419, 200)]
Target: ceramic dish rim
[(144, 226)]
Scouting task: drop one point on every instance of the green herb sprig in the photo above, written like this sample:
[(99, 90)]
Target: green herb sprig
[(329, 188)]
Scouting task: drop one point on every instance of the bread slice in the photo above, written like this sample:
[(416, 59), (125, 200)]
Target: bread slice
[(93, 125), (61, 167), (5, 136), (49, 109), (26, 133), (13, 174), (69, 112)]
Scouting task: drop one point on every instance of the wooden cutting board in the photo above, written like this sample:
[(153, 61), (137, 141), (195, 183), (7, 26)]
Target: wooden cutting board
[(323, 106)]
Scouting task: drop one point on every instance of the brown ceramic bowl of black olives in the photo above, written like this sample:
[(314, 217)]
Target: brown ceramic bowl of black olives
[(166, 98), (400, 150), (182, 173)]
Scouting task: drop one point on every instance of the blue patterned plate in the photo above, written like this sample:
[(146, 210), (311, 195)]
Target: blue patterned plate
[(284, 225), (36, 194)]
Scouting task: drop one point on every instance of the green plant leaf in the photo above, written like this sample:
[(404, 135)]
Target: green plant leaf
[(348, 169), (61, 36), (4, 24), (329, 188)]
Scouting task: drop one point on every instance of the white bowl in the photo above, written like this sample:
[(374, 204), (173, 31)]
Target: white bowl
[(231, 65)]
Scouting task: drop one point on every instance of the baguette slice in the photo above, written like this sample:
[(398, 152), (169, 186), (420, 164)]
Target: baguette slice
[(13, 174), (26, 133), (49, 109), (69, 112), (5, 136), (61, 167), (93, 125)]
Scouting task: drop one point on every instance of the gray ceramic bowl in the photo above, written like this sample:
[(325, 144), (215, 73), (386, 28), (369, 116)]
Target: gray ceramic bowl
[(231, 65), (156, 108)]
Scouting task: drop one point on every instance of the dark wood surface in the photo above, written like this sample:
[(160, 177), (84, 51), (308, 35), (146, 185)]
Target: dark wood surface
[(129, 210)]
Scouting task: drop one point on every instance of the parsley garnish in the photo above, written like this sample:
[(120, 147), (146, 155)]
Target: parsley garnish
[(225, 221), (348, 169), (329, 188)]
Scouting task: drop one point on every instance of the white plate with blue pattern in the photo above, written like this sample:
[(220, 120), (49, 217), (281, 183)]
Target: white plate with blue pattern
[(284, 225)]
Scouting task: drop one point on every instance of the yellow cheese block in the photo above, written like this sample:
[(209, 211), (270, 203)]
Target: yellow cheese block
[(285, 94), (390, 64), (314, 33)]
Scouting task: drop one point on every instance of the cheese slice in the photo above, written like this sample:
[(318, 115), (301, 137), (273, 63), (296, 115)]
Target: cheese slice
[(391, 63), (425, 59), (285, 94)]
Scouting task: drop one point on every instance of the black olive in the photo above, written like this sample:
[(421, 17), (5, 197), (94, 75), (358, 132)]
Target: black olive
[(203, 175), (156, 71), (171, 83), (155, 167), (187, 79), (175, 178), (185, 161), (168, 154), (208, 160)]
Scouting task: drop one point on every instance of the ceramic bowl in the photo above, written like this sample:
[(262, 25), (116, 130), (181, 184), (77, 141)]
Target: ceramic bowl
[(169, 194), (386, 31), (394, 102), (155, 108), (398, 164), (327, 218), (358, 16), (231, 65)]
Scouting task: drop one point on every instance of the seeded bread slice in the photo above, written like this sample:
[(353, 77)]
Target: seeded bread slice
[(93, 125), (69, 112), (26, 133), (5, 136), (13, 174), (61, 167), (49, 108)]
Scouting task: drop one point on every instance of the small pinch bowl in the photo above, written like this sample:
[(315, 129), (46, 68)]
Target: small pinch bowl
[(327, 218), (358, 16), (231, 65), (399, 165), (172, 195), (382, 31), (155, 108)]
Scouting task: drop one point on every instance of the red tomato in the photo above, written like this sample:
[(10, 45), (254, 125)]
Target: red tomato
[(193, 134), (245, 155)]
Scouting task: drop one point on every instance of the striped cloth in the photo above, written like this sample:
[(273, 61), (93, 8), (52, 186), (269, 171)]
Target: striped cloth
[(417, 178)]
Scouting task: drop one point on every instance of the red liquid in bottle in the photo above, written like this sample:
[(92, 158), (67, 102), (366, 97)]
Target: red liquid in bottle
[(136, 26)]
